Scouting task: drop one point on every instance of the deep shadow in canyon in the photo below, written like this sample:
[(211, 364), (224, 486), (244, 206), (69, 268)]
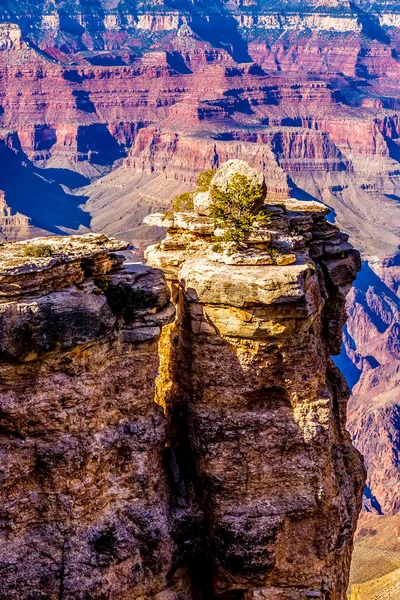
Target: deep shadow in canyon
[(42, 195)]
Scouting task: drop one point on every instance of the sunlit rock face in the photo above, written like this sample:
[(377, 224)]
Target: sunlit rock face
[(152, 458), (256, 408)]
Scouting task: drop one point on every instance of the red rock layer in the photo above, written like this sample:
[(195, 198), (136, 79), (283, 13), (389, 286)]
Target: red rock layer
[(372, 340)]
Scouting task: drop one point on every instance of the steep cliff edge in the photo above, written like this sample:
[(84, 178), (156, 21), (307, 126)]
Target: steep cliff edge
[(246, 486), (83, 492), (256, 408)]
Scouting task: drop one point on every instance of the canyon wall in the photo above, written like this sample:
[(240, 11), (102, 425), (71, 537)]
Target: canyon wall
[(205, 457), (316, 108), (161, 91), (372, 344)]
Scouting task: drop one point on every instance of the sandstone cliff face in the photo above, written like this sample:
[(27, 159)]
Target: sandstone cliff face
[(243, 484), (83, 490), (256, 408)]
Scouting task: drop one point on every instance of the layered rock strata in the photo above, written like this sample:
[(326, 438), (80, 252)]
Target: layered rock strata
[(264, 466), (83, 491), (12, 226), (372, 347), (147, 458)]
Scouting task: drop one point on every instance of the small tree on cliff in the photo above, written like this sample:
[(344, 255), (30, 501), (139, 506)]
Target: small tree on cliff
[(204, 180), (234, 209), (184, 202)]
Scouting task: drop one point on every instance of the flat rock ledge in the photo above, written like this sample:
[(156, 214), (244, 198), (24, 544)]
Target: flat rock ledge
[(59, 292)]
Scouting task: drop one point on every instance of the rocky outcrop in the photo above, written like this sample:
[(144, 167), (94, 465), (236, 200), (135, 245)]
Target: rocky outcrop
[(83, 490), (12, 226), (256, 408), (10, 37), (153, 459)]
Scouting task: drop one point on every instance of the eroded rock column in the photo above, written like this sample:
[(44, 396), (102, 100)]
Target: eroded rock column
[(275, 475), (83, 490)]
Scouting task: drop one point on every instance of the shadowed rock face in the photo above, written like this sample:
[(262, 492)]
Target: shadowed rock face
[(372, 346), (246, 486), (83, 490)]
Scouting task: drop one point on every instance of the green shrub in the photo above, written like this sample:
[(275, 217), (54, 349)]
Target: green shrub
[(183, 202), (39, 250), (312, 268), (217, 247), (204, 180), (234, 209)]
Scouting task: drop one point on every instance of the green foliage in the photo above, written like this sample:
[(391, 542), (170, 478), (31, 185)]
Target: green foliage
[(183, 202), (312, 268), (124, 300), (38, 250), (217, 247), (102, 283), (234, 209), (204, 180)]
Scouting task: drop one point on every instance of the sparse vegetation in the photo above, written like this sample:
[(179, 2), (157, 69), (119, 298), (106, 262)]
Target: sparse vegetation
[(234, 210), (184, 202), (217, 247), (312, 268), (39, 250), (204, 180)]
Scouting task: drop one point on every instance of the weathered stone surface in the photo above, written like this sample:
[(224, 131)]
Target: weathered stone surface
[(202, 201), (83, 488), (211, 283), (246, 486), (258, 410), (50, 263)]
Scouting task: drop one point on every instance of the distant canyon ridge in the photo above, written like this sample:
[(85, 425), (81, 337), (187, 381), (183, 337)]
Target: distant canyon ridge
[(107, 113)]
